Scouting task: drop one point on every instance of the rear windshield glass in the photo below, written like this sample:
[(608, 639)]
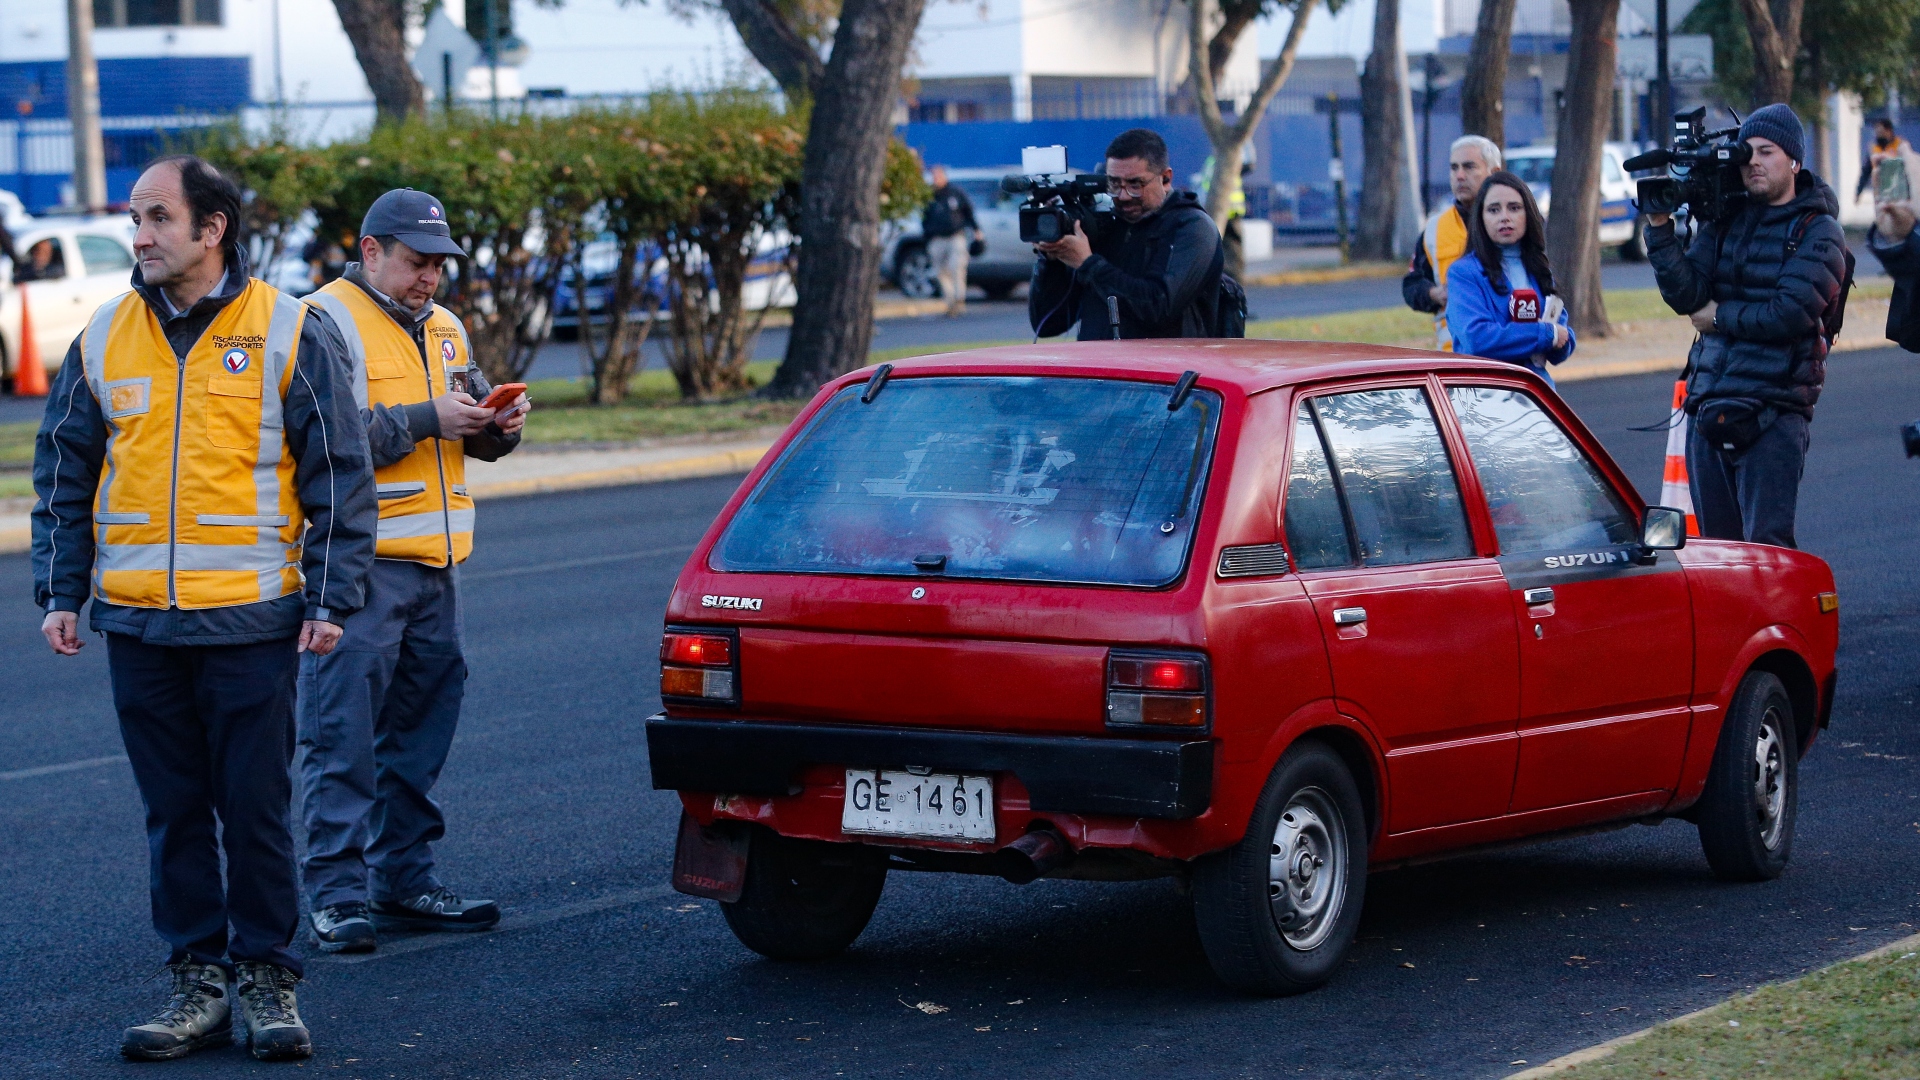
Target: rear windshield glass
[(1032, 479)]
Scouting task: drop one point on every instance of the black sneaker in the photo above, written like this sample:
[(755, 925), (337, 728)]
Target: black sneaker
[(436, 910), (344, 928)]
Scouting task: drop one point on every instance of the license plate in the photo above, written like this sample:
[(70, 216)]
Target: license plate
[(937, 806)]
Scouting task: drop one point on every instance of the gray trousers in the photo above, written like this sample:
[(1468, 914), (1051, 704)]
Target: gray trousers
[(376, 719)]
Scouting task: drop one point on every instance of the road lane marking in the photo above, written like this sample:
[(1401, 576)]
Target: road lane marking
[(510, 921), (65, 766), (572, 564)]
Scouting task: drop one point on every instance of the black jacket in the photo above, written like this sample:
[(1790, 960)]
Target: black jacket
[(1416, 287), (948, 212), (1901, 260), (332, 471), (1766, 344), (1165, 269)]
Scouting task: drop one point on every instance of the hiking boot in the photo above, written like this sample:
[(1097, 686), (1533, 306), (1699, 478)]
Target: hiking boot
[(271, 1011), (198, 1015), (344, 928), (436, 910)]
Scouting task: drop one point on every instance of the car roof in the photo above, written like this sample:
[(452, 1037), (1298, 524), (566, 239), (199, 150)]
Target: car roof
[(1253, 365)]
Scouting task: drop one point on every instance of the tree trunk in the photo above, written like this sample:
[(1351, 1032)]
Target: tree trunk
[(846, 158), (1229, 141), (1774, 31), (617, 357), (1483, 94), (1573, 232), (1381, 137), (377, 29)]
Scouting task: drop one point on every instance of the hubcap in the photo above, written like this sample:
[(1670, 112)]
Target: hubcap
[(1770, 781), (917, 279), (1306, 869)]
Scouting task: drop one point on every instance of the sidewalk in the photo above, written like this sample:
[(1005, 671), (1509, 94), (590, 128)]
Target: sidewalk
[(1635, 349)]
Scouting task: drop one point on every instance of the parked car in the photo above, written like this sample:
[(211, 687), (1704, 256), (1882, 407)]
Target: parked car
[(768, 283), (1620, 225), (1255, 615), (1005, 264), (90, 261)]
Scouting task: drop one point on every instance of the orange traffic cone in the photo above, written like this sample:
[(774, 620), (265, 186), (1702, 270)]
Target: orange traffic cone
[(1675, 491), (29, 375)]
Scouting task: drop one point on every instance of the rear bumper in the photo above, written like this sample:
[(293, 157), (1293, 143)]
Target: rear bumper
[(1140, 778)]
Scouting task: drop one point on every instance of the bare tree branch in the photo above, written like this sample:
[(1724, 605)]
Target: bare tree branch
[(780, 48)]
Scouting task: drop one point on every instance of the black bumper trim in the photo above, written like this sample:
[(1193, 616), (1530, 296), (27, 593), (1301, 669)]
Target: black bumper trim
[(1152, 778)]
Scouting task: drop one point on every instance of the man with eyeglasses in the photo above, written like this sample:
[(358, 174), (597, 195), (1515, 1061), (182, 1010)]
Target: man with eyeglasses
[(1157, 264)]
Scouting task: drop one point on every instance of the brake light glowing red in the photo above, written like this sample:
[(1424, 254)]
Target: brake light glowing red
[(1158, 674), (702, 649)]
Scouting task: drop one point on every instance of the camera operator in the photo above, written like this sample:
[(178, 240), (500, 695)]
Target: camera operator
[(1756, 285), (1160, 259)]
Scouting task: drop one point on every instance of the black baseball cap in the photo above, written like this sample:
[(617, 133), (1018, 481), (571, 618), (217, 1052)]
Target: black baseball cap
[(416, 218)]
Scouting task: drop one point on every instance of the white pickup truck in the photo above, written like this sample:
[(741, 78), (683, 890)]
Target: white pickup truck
[(1620, 226), (69, 267)]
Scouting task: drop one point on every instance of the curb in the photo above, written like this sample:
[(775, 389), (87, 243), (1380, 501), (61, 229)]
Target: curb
[(17, 540), (720, 464), (1565, 1063), (1330, 274)]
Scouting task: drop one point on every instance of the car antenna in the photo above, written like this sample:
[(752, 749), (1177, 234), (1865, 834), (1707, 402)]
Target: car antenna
[(1181, 390), (1113, 315), (875, 383)]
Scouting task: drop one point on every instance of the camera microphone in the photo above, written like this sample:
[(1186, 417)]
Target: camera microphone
[(1652, 159), (1015, 184)]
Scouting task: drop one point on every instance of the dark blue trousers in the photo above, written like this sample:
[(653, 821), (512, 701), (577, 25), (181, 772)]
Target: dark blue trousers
[(1751, 495), (209, 730), (376, 719)]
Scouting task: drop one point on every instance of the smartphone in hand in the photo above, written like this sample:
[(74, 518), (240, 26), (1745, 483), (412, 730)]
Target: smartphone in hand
[(503, 395)]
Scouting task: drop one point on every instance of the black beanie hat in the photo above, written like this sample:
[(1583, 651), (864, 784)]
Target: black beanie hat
[(1778, 124)]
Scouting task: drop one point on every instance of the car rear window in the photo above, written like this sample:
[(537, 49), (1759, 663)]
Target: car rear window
[(1089, 481)]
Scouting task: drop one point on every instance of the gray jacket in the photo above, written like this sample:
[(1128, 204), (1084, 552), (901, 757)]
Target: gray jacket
[(1766, 342), (332, 471)]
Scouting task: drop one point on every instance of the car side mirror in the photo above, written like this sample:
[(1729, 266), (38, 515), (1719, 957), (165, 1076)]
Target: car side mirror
[(1663, 528)]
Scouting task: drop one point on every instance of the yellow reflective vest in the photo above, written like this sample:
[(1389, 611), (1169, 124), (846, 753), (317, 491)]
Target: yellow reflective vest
[(1445, 238), (197, 505), (426, 515)]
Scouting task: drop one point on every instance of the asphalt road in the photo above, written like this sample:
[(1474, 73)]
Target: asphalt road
[(1462, 969)]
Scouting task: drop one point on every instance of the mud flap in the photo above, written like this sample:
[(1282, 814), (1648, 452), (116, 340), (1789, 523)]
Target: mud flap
[(710, 860)]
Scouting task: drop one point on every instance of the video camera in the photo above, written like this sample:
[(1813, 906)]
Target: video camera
[(1057, 199), (1704, 171)]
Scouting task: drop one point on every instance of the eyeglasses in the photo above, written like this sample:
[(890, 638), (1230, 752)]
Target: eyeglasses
[(1131, 185)]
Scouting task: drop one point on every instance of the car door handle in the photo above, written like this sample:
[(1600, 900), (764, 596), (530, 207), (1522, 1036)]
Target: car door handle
[(1538, 596), (1349, 616)]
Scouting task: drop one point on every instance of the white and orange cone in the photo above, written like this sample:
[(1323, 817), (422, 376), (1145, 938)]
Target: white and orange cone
[(1675, 491)]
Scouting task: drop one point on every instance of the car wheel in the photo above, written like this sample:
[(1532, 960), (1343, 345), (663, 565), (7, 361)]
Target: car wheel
[(1635, 249), (1277, 911), (913, 273), (1747, 812), (805, 899)]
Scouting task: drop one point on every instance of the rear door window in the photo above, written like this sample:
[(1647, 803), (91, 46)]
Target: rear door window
[(1543, 492), (1391, 467), (1316, 526), (1091, 481)]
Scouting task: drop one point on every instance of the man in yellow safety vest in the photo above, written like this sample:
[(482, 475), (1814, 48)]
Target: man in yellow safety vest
[(204, 480), (1444, 239), (377, 715)]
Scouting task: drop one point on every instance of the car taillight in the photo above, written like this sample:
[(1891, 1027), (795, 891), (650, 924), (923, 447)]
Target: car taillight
[(709, 650), (1156, 691), (700, 666)]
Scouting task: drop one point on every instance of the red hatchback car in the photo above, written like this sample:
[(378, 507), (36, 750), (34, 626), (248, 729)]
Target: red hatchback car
[(1255, 614)]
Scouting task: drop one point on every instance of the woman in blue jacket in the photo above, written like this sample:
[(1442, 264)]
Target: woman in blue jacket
[(1500, 297)]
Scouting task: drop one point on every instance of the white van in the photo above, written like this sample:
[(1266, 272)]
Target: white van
[(1620, 226)]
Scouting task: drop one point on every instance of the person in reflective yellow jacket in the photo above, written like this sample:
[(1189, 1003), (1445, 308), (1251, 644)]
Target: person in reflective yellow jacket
[(377, 715), (204, 481)]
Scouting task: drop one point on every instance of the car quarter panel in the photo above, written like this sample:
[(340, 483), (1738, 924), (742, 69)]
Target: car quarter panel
[(1749, 600)]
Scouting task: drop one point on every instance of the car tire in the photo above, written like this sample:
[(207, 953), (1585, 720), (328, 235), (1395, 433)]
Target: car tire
[(1307, 840), (913, 273), (805, 899), (1746, 815)]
